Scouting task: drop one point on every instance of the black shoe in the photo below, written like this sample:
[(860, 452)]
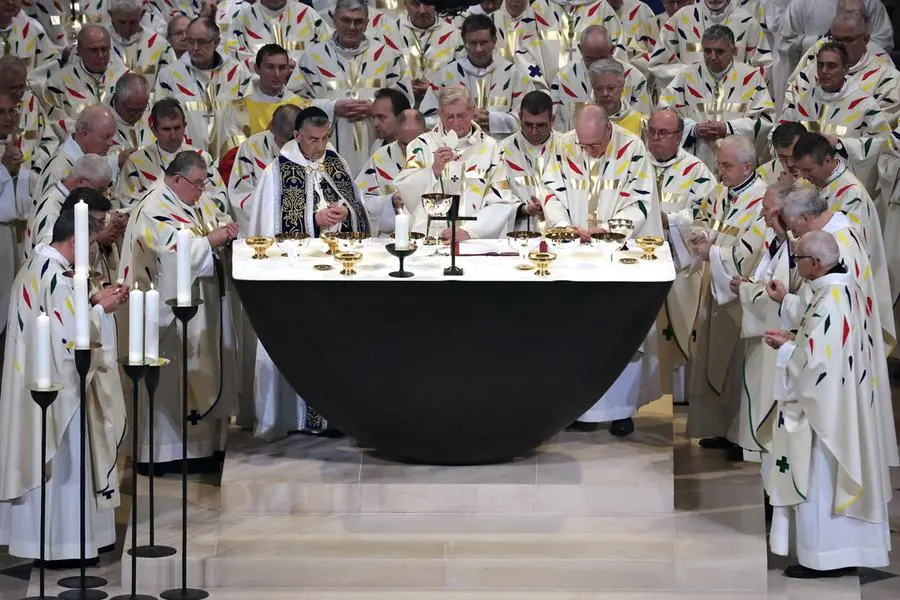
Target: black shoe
[(583, 427), (734, 453), (715, 443), (801, 572), (622, 427)]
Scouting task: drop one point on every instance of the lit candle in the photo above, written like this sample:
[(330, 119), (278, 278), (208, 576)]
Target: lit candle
[(401, 232), (42, 351), (136, 326), (183, 268), (82, 237), (151, 325), (82, 321)]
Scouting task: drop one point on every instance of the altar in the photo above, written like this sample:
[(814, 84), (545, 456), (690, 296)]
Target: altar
[(475, 369)]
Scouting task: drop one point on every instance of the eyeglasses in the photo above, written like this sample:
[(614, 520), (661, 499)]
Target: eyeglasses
[(592, 145), (845, 40), (661, 133), (10, 113), (200, 43), (197, 185), (355, 23)]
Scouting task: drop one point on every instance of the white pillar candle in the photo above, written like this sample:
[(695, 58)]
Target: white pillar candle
[(183, 270), (42, 357), (151, 325), (136, 326), (82, 319), (401, 232), (82, 237)]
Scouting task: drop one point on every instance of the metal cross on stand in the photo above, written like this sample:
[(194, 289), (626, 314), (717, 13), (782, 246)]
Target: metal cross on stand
[(452, 219)]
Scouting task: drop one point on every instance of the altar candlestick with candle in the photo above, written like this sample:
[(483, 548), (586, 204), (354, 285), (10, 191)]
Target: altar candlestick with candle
[(151, 325), (401, 232), (42, 357), (82, 318), (82, 237), (136, 326), (183, 267)]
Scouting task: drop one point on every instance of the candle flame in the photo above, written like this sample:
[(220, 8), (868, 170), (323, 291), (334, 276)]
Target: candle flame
[(136, 286), (152, 287)]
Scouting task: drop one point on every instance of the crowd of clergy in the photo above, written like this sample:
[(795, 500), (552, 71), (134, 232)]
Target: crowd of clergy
[(759, 137)]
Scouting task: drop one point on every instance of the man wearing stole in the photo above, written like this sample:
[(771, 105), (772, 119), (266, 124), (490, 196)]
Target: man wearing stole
[(602, 173), (572, 87), (144, 169), (148, 257), (495, 85), (730, 243), (805, 211), (286, 23), (835, 107), (428, 42), (87, 79), (273, 70), (207, 84), (681, 38), (829, 481), (44, 285), (457, 155), (308, 189), (683, 183), (129, 104), (22, 36), (253, 156), (559, 24), (527, 154), (781, 169), (872, 70), (720, 96), (341, 76), (608, 82), (142, 49), (376, 181)]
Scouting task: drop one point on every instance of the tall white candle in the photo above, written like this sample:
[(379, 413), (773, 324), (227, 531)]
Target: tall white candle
[(42, 356), (151, 325), (183, 268), (401, 232), (82, 321), (82, 237), (136, 326)]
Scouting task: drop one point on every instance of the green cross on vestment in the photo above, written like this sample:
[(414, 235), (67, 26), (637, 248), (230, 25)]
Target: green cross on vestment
[(782, 464), (669, 332)]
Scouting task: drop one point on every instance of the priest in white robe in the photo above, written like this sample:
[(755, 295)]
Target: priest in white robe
[(291, 24), (129, 104), (730, 244), (572, 87), (684, 184), (148, 257), (837, 108), (871, 68), (376, 181), (138, 44), (829, 481), (495, 85), (43, 287), (720, 96), (607, 79), (527, 155), (23, 36), (308, 189), (781, 169), (273, 70), (620, 185), (457, 155), (341, 76)]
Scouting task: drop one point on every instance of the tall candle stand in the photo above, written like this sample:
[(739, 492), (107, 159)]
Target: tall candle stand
[(152, 550), (43, 397), (81, 586), (453, 218), (184, 314), (135, 372)]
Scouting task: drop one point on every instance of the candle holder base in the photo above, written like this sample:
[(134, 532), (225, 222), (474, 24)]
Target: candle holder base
[(41, 598), (401, 255), (453, 271), (75, 584), (184, 594), (184, 312), (133, 597), (154, 551), (83, 594)]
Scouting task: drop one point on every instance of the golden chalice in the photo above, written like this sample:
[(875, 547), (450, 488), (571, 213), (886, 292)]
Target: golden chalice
[(562, 238), (352, 241), (522, 242), (541, 261), (608, 242), (348, 261), (649, 244), (329, 238), (260, 244)]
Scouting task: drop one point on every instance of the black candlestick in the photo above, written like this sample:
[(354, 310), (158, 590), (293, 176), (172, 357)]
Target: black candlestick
[(43, 397), (453, 218), (401, 254), (152, 550), (81, 586), (184, 314), (135, 372)]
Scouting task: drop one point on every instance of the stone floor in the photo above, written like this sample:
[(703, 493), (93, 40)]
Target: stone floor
[(718, 504)]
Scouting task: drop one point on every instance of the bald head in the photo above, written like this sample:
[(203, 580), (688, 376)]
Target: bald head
[(13, 76), (93, 48), (664, 131), (591, 118), (410, 125), (595, 44), (593, 130), (822, 252), (95, 130), (666, 119)]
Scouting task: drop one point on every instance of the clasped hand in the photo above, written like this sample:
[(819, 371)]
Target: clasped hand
[(776, 338), (353, 110), (111, 297), (331, 215), (700, 243), (222, 235)]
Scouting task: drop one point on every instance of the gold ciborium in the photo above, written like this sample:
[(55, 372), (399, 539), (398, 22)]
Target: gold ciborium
[(649, 244), (541, 261), (260, 244), (352, 241), (348, 261), (329, 238)]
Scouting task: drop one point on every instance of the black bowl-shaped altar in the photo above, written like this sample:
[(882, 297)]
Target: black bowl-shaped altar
[(451, 373)]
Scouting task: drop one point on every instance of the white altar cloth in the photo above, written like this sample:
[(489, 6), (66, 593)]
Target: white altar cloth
[(582, 264)]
